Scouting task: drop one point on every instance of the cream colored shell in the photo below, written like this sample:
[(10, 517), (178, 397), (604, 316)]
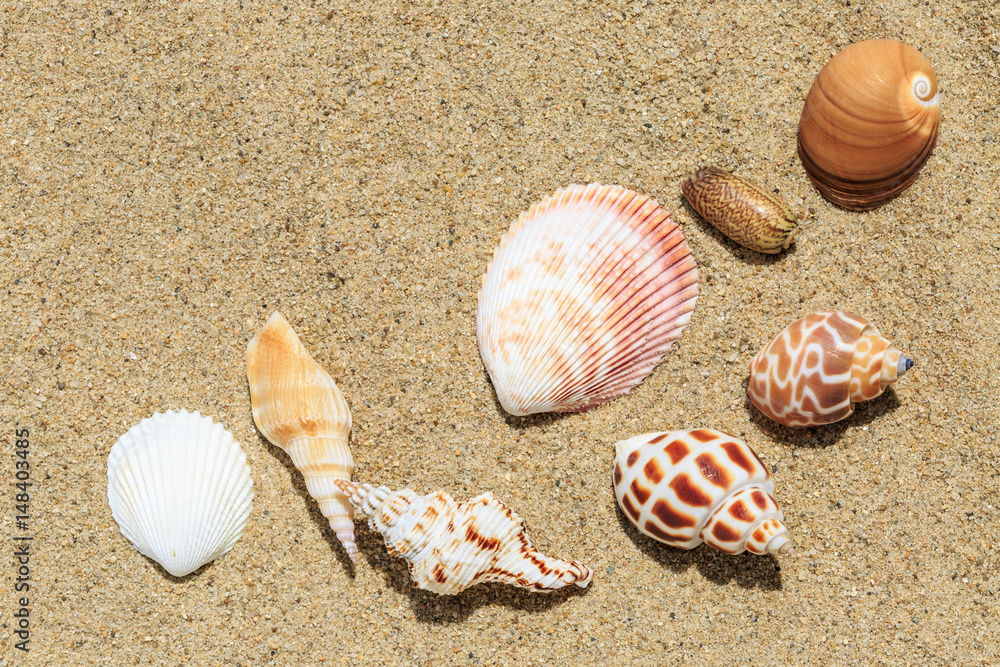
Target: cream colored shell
[(179, 487), (585, 294), (298, 407), (449, 545), (701, 485)]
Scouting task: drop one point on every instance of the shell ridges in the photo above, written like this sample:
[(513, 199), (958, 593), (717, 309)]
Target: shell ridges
[(180, 490), (585, 294)]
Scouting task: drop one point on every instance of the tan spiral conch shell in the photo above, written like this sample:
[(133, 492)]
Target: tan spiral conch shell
[(299, 408), (702, 485), (585, 294), (449, 545), (820, 366), (869, 123)]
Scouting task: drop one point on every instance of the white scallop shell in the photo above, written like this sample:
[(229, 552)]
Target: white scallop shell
[(179, 487), (585, 294)]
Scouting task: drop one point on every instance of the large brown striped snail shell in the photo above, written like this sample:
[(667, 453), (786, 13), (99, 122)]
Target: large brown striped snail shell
[(746, 213), (701, 485), (820, 366), (869, 123)]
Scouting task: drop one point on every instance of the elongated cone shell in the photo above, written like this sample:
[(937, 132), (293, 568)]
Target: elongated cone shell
[(746, 213), (449, 546), (820, 366), (869, 123), (298, 407), (702, 485), (179, 487), (585, 294)]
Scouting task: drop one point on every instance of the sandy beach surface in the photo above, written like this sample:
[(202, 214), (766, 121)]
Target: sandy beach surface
[(171, 173)]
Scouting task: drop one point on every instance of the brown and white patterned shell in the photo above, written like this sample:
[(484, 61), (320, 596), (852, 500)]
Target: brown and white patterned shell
[(449, 545), (746, 213), (820, 366), (701, 485), (585, 294)]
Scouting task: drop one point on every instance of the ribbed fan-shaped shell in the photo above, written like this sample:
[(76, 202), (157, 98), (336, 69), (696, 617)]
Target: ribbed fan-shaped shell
[(585, 294), (179, 487), (818, 367), (869, 123), (299, 408), (449, 546), (702, 485)]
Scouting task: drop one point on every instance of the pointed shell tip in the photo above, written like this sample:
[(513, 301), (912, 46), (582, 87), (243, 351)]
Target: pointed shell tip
[(905, 364)]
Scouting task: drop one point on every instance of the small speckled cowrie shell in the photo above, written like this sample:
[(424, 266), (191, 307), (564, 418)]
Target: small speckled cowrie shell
[(700, 485), (746, 213)]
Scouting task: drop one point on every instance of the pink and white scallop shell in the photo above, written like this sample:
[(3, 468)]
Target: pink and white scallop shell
[(585, 294), (449, 545), (699, 485)]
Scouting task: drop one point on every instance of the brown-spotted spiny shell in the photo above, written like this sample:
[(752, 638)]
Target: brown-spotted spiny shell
[(746, 213), (450, 545), (820, 366), (701, 485), (869, 123)]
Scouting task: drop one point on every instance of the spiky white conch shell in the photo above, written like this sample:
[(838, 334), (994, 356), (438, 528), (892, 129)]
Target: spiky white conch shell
[(699, 485), (299, 408), (585, 294), (179, 487), (449, 545)]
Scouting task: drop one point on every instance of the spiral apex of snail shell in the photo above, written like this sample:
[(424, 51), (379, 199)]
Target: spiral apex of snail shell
[(746, 213), (869, 123), (699, 485), (820, 366)]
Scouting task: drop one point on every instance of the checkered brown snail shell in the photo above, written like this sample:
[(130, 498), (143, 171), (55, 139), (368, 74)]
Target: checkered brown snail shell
[(701, 485)]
